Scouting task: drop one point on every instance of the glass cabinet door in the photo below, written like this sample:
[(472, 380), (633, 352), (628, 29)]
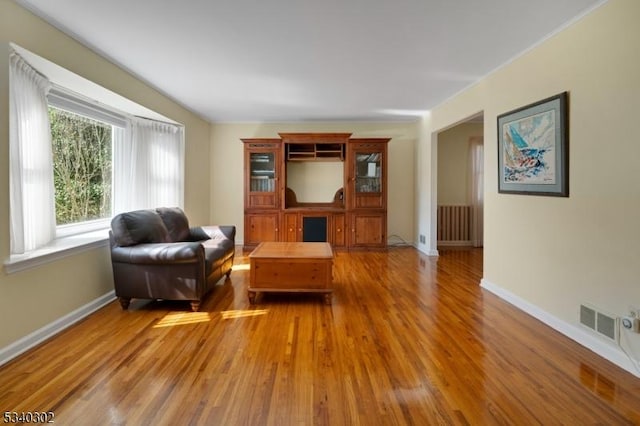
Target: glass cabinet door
[(262, 171), (367, 180), (368, 172)]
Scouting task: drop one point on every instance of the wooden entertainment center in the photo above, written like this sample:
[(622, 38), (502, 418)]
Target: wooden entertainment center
[(355, 217)]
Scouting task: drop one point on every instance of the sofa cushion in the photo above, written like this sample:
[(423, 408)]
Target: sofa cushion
[(176, 223), (138, 227), (196, 233)]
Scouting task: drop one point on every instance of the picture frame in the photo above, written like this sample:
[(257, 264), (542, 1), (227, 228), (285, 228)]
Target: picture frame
[(533, 148)]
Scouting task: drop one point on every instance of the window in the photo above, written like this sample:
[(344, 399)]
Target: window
[(76, 160), (81, 167), (82, 137)]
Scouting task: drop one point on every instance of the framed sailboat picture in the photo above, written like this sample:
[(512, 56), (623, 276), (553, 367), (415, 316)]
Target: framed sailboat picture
[(533, 149)]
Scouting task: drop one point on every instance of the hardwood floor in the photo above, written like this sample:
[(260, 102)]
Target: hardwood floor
[(408, 340)]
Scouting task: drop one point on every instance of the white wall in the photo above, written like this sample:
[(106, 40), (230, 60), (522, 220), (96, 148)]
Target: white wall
[(551, 254), (33, 299), (227, 167)]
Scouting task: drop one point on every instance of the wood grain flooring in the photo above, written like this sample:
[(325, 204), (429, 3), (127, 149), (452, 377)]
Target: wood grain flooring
[(408, 340)]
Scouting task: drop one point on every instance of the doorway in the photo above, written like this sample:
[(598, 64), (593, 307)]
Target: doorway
[(460, 184)]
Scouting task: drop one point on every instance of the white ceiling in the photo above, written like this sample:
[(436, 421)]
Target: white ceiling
[(293, 60)]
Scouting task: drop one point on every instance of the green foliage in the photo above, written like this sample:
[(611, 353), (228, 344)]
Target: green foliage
[(81, 167)]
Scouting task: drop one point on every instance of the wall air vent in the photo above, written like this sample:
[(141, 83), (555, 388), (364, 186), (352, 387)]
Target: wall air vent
[(588, 317), (598, 321)]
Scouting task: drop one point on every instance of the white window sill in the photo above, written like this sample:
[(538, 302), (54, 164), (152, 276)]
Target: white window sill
[(58, 249)]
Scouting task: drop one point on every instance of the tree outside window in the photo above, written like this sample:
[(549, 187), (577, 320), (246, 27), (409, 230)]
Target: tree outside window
[(82, 167)]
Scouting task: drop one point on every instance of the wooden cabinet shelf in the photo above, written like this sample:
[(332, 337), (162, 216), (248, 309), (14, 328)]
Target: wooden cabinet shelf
[(315, 152)]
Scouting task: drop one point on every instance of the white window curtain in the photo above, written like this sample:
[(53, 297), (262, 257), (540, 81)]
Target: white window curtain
[(31, 193), (148, 165), (476, 159)]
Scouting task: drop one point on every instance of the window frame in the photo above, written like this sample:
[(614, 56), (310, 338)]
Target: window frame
[(66, 100)]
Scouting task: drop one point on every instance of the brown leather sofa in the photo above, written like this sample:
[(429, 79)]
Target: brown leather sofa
[(156, 255)]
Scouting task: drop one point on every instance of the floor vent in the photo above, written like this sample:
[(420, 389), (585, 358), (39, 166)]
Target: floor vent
[(599, 322)]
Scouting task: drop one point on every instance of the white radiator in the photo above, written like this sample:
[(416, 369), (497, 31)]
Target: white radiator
[(454, 225)]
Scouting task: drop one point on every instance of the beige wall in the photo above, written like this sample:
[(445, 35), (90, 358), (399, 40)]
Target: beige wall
[(556, 253), (32, 299), (453, 163), (227, 167), (315, 181)]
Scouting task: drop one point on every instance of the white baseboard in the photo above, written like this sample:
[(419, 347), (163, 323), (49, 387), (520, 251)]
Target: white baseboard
[(576, 333), (13, 350), (423, 249)]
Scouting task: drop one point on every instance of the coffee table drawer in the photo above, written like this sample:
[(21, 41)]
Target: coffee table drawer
[(291, 275)]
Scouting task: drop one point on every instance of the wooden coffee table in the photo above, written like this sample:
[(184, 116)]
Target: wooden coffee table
[(292, 268)]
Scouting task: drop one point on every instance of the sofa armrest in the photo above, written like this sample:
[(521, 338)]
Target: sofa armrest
[(218, 232), (158, 253)]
